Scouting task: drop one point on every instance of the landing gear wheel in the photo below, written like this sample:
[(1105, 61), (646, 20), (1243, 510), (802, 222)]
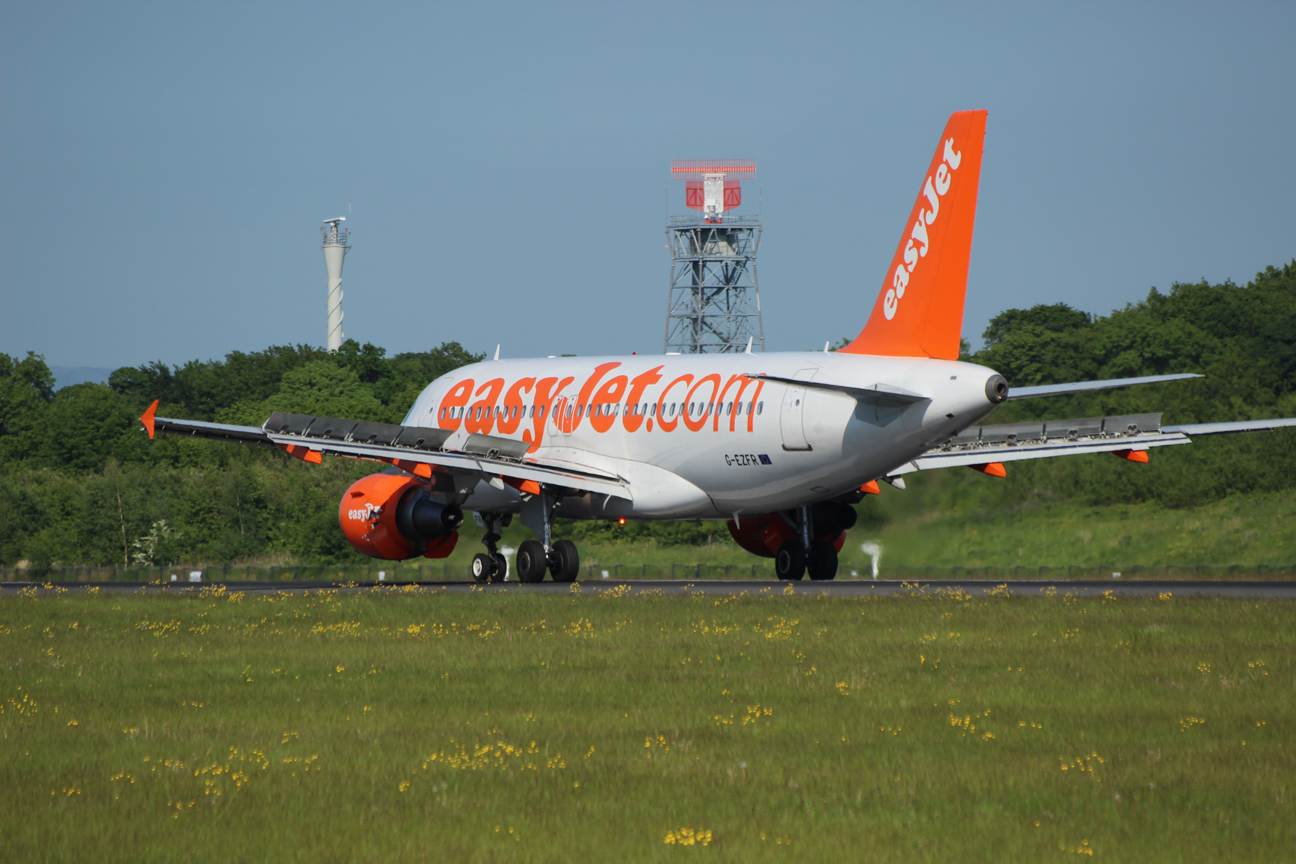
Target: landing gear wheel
[(531, 563), (564, 566), (790, 562), (482, 567), (823, 561), (499, 570)]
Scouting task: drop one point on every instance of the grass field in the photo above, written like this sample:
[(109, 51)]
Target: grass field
[(405, 726)]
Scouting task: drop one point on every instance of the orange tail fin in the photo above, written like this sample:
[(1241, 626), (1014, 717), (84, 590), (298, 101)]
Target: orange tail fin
[(919, 312)]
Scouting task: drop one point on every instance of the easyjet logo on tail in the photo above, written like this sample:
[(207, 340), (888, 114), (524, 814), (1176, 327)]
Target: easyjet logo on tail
[(933, 190), (918, 309)]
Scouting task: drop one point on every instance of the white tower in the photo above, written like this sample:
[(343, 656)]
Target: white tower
[(335, 248)]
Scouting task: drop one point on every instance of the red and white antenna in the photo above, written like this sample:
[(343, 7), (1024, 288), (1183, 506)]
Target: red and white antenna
[(708, 186)]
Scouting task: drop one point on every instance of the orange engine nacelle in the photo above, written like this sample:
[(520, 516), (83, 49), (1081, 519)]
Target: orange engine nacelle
[(762, 535), (393, 517)]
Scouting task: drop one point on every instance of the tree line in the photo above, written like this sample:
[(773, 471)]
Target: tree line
[(81, 484)]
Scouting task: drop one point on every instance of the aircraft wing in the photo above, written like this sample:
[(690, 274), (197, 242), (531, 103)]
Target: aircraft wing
[(1043, 439), (416, 450)]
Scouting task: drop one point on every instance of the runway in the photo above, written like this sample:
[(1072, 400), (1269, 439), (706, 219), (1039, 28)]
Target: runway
[(760, 588)]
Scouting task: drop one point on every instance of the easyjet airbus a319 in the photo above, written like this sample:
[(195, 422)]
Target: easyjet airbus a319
[(779, 444)]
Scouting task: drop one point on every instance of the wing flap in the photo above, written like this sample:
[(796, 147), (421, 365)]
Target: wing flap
[(1042, 450), (403, 446), (1044, 439), (461, 462)]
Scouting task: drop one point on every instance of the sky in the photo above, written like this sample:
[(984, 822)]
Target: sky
[(164, 168)]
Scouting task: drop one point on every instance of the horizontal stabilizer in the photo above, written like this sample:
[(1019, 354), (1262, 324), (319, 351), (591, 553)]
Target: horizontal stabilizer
[(1084, 386)]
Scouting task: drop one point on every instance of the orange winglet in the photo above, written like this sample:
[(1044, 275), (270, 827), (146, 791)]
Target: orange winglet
[(871, 488), (149, 417), (530, 487), (1131, 455), (994, 469), (305, 454)]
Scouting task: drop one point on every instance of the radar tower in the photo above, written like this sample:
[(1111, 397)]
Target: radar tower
[(714, 303)]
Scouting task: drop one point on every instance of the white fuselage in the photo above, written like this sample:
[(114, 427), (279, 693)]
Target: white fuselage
[(692, 437)]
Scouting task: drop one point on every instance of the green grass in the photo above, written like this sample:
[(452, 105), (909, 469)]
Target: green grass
[(411, 726), (1240, 531)]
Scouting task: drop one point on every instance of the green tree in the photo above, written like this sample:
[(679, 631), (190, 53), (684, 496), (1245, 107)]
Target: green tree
[(1054, 318), (88, 424), (321, 388), (26, 389)]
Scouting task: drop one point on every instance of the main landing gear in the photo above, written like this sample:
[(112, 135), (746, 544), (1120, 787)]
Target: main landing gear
[(804, 554), (536, 557)]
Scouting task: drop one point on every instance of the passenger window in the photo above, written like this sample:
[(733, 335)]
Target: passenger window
[(760, 406)]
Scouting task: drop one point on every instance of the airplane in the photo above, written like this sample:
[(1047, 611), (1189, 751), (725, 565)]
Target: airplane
[(779, 445)]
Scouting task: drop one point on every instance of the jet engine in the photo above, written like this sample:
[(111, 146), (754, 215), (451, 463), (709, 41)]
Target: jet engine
[(392, 516), (762, 535)]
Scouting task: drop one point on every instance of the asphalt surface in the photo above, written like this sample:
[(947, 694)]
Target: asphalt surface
[(770, 588)]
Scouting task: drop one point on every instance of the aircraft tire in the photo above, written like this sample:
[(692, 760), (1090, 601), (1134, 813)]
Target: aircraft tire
[(823, 561), (499, 568), (566, 564), (481, 567), (790, 562), (531, 563)]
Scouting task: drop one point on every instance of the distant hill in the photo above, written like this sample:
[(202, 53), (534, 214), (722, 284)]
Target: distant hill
[(66, 376)]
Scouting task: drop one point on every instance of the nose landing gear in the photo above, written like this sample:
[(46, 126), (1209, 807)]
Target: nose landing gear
[(491, 566)]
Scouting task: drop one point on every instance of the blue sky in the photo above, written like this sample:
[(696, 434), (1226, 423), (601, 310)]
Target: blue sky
[(164, 167)]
